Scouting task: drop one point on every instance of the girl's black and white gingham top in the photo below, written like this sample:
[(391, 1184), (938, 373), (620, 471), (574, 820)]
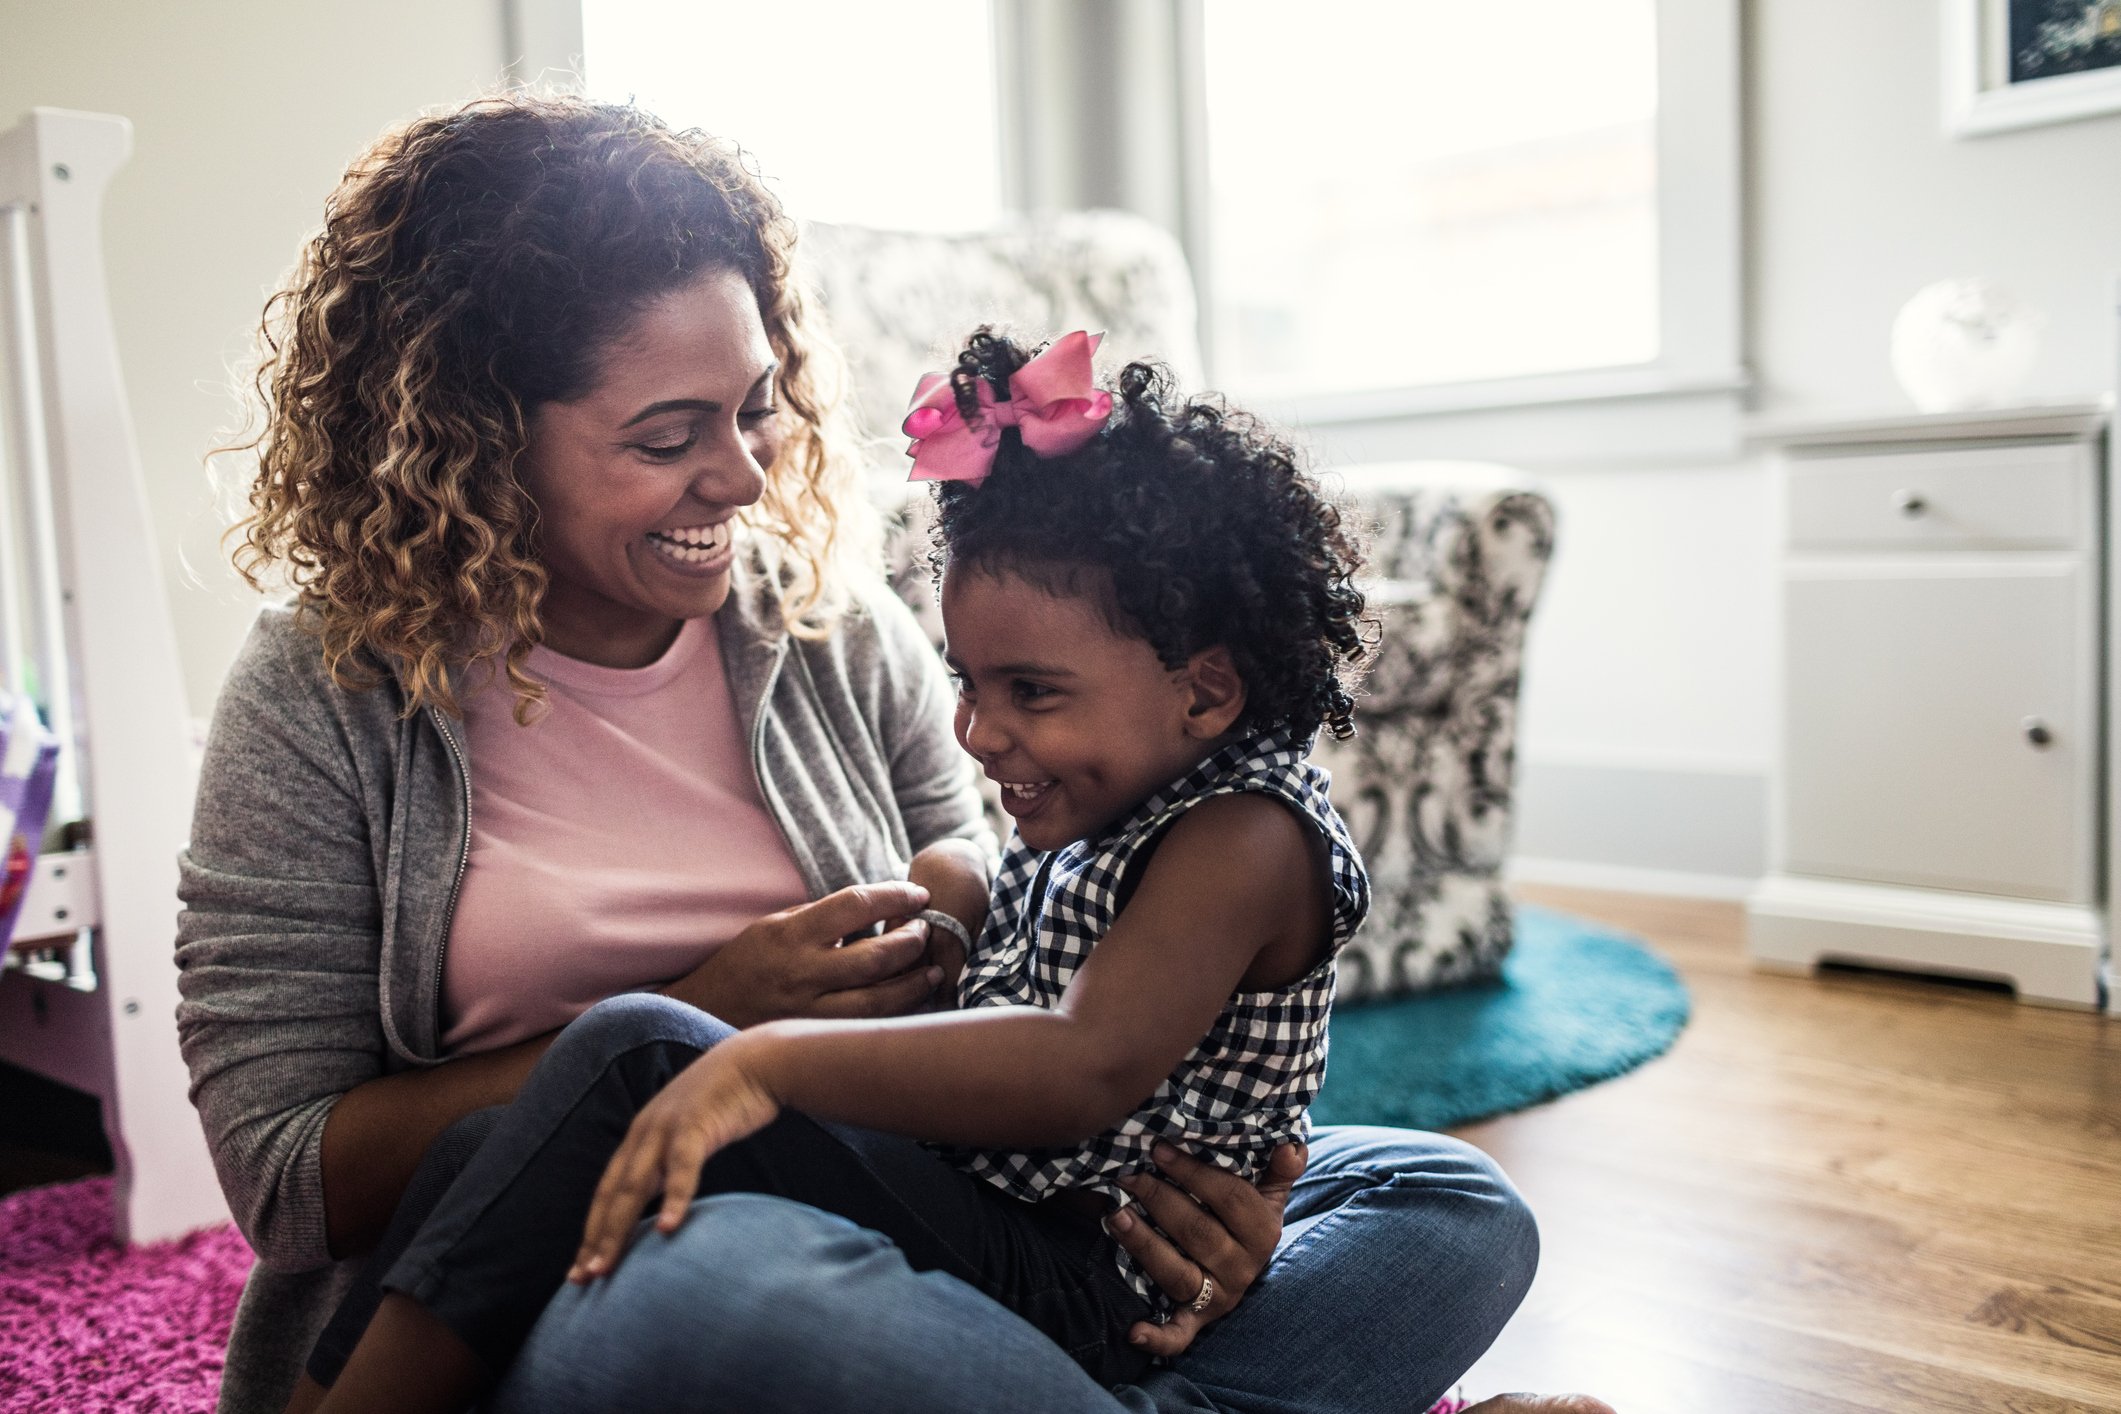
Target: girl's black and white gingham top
[(1244, 1089)]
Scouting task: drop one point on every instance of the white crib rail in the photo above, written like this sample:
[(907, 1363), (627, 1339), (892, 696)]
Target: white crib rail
[(85, 602)]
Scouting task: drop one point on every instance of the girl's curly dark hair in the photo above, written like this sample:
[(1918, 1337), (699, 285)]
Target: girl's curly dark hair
[(475, 263), (1204, 522)]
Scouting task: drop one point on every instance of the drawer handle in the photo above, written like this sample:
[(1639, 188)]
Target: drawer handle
[(2039, 733), (1911, 503)]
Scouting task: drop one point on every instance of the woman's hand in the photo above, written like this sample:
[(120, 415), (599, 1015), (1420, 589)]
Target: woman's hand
[(1223, 1227), (714, 1102), (792, 963)]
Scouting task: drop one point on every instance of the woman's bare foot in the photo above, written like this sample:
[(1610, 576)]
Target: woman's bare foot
[(1541, 1404)]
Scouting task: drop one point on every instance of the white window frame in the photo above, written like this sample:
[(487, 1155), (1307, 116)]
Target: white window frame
[(1685, 405)]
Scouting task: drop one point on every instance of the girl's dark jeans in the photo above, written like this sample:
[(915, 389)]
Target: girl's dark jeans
[(490, 1224)]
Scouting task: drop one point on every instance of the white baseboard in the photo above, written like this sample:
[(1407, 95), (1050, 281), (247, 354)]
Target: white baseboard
[(2049, 952), (1627, 879)]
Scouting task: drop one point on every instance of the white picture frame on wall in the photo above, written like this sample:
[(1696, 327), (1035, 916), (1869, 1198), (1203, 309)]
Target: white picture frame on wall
[(2013, 64)]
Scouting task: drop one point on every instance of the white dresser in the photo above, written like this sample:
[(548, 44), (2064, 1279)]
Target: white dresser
[(1939, 799)]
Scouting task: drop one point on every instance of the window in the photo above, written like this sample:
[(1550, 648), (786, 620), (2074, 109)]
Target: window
[(1437, 230), (1420, 227), (874, 112), (1410, 192)]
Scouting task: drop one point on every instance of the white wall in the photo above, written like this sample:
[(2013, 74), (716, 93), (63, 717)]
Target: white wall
[(1650, 683), (1857, 200), (244, 114)]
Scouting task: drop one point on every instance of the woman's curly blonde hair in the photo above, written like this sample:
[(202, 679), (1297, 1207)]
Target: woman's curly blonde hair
[(473, 265)]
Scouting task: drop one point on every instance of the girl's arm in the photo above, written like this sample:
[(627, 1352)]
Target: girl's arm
[(1233, 885), (955, 874)]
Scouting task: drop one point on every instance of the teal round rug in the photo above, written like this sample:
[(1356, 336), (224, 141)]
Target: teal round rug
[(1576, 1004)]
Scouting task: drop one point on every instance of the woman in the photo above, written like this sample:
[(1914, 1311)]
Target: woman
[(586, 690)]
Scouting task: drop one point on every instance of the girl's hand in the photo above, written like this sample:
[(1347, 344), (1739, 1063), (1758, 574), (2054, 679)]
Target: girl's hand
[(793, 963), (714, 1102), (1223, 1227)]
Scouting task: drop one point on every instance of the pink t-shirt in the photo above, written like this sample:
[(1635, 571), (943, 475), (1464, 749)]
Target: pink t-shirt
[(615, 842)]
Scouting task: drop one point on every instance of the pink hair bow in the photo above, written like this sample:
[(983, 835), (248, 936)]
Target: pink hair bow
[(1052, 403)]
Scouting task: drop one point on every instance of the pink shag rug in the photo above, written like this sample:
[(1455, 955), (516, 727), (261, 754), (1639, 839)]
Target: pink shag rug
[(90, 1327)]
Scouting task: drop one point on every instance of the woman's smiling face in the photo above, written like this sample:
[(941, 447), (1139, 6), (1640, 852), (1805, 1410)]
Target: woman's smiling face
[(1076, 721), (638, 481)]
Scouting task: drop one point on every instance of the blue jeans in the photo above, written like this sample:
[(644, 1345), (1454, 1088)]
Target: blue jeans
[(1402, 1257), (486, 1256)]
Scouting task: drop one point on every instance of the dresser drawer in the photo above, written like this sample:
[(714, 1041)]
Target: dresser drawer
[(2030, 497)]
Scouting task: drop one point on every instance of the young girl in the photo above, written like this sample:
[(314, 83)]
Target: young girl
[(1149, 612)]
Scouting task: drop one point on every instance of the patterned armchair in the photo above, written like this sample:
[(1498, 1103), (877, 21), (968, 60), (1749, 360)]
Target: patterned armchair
[(1425, 783)]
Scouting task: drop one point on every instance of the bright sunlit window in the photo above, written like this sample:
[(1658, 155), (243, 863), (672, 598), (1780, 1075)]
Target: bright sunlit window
[(1412, 192), (873, 112)]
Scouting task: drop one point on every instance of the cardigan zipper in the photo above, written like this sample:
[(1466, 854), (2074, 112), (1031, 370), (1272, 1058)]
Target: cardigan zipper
[(456, 887), (774, 806)]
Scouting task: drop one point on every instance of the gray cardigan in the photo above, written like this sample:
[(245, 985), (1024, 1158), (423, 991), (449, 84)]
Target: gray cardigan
[(328, 843)]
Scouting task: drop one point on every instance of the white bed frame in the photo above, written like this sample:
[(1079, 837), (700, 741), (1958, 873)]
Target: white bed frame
[(81, 598)]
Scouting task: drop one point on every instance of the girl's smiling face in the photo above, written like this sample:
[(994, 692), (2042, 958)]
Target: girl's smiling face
[(1078, 722), (639, 481)]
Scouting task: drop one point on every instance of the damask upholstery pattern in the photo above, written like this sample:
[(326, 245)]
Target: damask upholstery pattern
[(1425, 783), (900, 303)]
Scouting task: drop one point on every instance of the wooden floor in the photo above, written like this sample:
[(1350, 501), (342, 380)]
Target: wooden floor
[(1848, 1192)]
